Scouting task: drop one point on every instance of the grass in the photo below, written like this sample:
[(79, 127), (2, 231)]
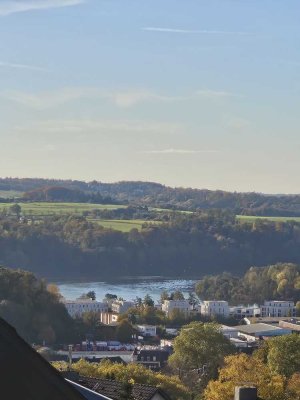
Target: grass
[(10, 194), (44, 209), (123, 225), (251, 218)]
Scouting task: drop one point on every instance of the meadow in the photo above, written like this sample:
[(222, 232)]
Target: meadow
[(251, 218), (123, 225), (44, 208), (41, 209), (10, 194)]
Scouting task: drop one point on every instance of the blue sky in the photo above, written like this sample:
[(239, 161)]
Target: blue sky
[(200, 93)]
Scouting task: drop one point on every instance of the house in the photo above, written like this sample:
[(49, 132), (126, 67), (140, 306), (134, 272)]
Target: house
[(116, 390), (215, 308), (121, 306), (80, 306), (240, 312), (254, 332), (108, 318), (147, 330), (278, 309), (229, 331), (170, 306), (153, 358), (27, 375)]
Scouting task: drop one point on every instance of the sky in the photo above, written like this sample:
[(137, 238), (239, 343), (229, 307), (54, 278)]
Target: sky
[(191, 93)]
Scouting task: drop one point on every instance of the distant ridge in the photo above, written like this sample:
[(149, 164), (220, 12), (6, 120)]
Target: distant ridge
[(157, 195)]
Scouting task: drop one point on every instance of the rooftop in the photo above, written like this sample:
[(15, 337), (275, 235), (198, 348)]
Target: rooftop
[(256, 328), (115, 390), (27, 375)]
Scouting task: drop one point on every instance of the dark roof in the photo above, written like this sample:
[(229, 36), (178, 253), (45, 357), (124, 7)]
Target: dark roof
[(25, 374), (88, 393), (115, 390)]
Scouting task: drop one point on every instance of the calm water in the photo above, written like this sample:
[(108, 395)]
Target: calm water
[(127, 288)]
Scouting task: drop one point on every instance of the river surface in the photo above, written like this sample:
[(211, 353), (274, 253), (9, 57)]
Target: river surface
[(128, 288)]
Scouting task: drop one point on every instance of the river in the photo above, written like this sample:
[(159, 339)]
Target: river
[(128, 288)]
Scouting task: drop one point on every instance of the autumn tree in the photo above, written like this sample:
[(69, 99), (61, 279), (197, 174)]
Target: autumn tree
[(200, 348), (240, 369), (124, 332), (15, 209), (283, 354), (132, 373)]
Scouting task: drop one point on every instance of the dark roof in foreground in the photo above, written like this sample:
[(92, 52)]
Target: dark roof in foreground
[(26, 375), (88, 393), (115, 390)]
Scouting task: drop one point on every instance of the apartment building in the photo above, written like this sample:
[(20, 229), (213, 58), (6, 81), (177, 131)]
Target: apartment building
[(169, 306), (217, 307), (121, 306), (278, 309), (80, 306)]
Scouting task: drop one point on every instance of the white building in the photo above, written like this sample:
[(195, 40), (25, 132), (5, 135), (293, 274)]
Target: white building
[(108, 318), (147, 330), (214, 308), (121, 306), (229, 331), (241, 312), (169, 306), (80, 306), (278, 309)]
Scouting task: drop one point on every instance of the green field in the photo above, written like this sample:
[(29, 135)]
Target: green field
[(43, 209), (251, 218), (10, 194), (123, 225)]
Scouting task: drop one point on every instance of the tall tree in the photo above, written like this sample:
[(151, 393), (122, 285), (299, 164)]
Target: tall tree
[(200, 348), (148, 301), (240, 369), (283, 354)]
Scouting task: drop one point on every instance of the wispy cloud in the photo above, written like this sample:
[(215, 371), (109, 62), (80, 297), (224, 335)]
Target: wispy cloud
[(193, 31), (85, 127), (216, 94), (49, 99), (21, 66), (123, 99), (8, 7), (179, 151), (130, 98)]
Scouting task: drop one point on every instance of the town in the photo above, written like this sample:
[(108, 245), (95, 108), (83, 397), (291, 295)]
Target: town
[(151, 345)]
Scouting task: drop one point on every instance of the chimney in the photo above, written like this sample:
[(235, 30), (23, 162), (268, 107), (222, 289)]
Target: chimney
[(245, 393)]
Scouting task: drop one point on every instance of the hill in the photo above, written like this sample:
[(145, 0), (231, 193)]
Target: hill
[(157, 195), (73, 248), (36, 313)]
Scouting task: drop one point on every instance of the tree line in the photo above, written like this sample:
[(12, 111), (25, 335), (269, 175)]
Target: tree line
[(154, 194), (277, 282), (71, 247)]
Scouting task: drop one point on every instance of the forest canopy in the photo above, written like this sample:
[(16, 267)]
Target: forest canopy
[(278, 282), (72, 247), (154, 194)]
